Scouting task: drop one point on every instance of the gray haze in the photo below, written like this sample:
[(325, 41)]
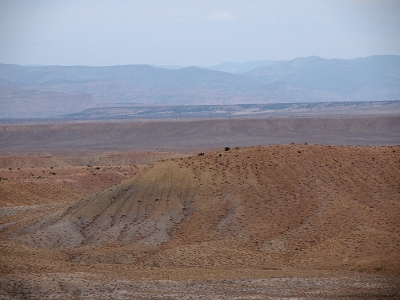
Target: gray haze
[(187, 32)]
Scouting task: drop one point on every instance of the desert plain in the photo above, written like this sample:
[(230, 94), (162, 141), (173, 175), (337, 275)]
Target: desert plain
[(244, 208)]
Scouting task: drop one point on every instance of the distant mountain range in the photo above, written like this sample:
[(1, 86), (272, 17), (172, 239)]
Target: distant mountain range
[(237, 68), (230, 67), (47, 91)]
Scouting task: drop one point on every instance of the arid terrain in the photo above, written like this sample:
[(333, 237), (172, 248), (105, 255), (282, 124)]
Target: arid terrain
[(98, 211), (88, 138)]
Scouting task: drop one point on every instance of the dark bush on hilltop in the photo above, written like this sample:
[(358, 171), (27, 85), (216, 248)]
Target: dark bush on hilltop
[(200, 154), (227, 148)]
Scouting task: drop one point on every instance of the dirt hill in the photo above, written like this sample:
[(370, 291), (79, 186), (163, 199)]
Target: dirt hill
[(304, 206)]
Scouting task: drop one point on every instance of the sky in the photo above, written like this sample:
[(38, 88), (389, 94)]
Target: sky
[(188, 32)]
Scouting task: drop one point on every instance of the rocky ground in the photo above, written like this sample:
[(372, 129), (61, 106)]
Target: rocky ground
[(89, 286)]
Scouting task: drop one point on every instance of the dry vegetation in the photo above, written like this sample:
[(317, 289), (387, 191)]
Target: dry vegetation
[(305, 221)]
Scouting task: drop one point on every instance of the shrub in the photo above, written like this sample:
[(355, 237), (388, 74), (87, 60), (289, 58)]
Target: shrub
[(227, 148)]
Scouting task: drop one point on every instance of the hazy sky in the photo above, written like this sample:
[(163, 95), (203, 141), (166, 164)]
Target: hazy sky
[(187, 32)]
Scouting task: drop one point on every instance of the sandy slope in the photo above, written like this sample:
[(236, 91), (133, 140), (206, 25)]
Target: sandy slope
[(44, 179)]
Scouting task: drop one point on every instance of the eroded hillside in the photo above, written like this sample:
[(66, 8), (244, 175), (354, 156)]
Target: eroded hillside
[(305, 206)]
